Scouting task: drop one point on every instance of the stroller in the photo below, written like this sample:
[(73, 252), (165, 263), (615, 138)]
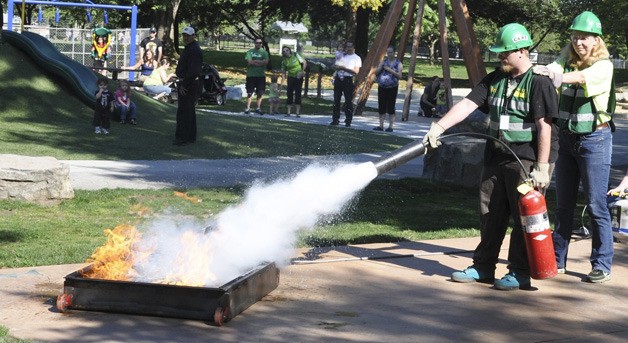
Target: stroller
[(213, 90)]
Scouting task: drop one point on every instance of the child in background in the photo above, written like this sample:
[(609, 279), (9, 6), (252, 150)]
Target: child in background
[(441, 101), (124, 103), (273, 95), (104, 105), (340, 53)]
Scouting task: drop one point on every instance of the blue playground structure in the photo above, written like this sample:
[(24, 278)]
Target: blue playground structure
[(88, 5)]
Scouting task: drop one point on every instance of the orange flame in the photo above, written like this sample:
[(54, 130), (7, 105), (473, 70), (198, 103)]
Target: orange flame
[(187, 197), (113, 260)]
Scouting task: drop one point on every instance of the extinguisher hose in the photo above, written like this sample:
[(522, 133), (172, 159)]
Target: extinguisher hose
[(487, 137)]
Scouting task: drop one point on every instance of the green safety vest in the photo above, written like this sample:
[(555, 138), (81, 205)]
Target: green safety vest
[(576, 112), (521, 126)]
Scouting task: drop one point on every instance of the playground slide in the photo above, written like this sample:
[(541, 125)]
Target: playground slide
[(80, 78)]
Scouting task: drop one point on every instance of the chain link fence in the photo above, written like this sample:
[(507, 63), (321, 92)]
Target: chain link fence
[(76, 43)]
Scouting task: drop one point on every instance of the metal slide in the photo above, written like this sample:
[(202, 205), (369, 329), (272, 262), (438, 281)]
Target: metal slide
[(79, 78)]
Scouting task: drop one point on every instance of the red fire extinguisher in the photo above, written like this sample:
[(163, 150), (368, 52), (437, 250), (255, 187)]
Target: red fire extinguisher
[(537, 234)]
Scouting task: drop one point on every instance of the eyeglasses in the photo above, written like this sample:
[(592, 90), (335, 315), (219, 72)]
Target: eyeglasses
[(505, 54), (576, 38)]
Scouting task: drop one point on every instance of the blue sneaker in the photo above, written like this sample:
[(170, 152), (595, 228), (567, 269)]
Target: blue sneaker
[(472, 274), (512, 281)]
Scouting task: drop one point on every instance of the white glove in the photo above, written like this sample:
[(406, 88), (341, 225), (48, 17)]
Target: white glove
[(540, 174), (557, 78), (432, 135)]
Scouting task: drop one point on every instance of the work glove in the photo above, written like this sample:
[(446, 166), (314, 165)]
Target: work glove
[(432, 135), (540, 174), (557, 78)]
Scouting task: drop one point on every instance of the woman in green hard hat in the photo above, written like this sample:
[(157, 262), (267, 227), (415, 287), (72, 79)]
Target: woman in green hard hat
[(584, 74)]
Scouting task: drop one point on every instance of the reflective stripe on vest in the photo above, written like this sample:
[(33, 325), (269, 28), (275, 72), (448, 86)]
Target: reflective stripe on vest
[(576, 112), (521, 127)]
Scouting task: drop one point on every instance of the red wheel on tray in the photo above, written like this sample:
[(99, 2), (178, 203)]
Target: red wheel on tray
[(63, 301), (221, 316)]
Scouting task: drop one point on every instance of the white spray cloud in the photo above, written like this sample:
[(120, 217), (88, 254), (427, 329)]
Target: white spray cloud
[(262, 228)]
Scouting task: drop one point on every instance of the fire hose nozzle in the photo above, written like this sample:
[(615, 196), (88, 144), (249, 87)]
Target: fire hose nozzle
[(400, 156)]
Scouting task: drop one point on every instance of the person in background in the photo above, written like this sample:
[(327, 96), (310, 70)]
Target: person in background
[(441, 100), (155, 83), (340, 52), (388, 73), (153, 44), (428, 99), (293, 66), (622, 189), (521, 107), (123, 102), (188, 71), (346, 68), (146, 65), (273, 95), (104, 105), (256, 60), (100, 53), (584, 74)]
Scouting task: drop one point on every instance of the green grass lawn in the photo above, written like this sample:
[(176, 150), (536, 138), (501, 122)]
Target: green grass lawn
[(42, 118)]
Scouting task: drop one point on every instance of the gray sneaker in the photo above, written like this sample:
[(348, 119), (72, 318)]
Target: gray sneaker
[(598, 276)]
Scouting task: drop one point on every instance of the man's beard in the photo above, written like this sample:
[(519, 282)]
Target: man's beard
[(506, 68)]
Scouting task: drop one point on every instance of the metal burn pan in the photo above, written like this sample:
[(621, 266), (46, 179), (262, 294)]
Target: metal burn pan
[(217, 305)]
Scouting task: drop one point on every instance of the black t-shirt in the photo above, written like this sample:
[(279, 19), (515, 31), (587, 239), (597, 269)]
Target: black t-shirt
[(544, 104), (151, 44)]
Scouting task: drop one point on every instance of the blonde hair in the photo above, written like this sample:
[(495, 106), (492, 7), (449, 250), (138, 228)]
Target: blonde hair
[(600, 52)]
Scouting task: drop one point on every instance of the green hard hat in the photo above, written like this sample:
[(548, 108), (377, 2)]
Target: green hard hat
[(587, 22), (511, 37)]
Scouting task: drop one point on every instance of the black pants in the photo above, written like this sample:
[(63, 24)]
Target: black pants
[(186, 115), (344, 87), (387, 99), (294, 90)]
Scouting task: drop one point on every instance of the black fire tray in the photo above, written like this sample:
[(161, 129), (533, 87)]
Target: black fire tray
[(218, 305)]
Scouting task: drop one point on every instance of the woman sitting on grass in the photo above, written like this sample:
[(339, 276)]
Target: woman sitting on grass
[(155, 83)]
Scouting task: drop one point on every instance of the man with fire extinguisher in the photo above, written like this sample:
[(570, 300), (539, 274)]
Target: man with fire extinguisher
[(521, 107)]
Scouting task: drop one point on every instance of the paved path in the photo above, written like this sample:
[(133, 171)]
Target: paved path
[(93, 175)]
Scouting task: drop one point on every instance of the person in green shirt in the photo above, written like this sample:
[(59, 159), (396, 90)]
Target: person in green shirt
[(292, 66), (256, 59)]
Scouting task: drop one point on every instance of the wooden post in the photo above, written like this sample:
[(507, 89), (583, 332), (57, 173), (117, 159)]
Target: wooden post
[(470, 48), (306, 87), (444, 49), (412, 65), (319, 81), (364, 79), (401, 49)]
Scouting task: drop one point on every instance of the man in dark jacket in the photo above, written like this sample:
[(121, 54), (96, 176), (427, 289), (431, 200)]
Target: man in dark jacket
[(188, 71)]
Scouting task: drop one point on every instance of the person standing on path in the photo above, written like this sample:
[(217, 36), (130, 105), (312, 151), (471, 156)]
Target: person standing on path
[(188, 71), (256, 60), (584, 74), (346, 68), (521, 108), (388, 74), (293, 66)]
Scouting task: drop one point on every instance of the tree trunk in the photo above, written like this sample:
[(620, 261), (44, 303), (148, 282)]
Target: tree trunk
[(362, 32)]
